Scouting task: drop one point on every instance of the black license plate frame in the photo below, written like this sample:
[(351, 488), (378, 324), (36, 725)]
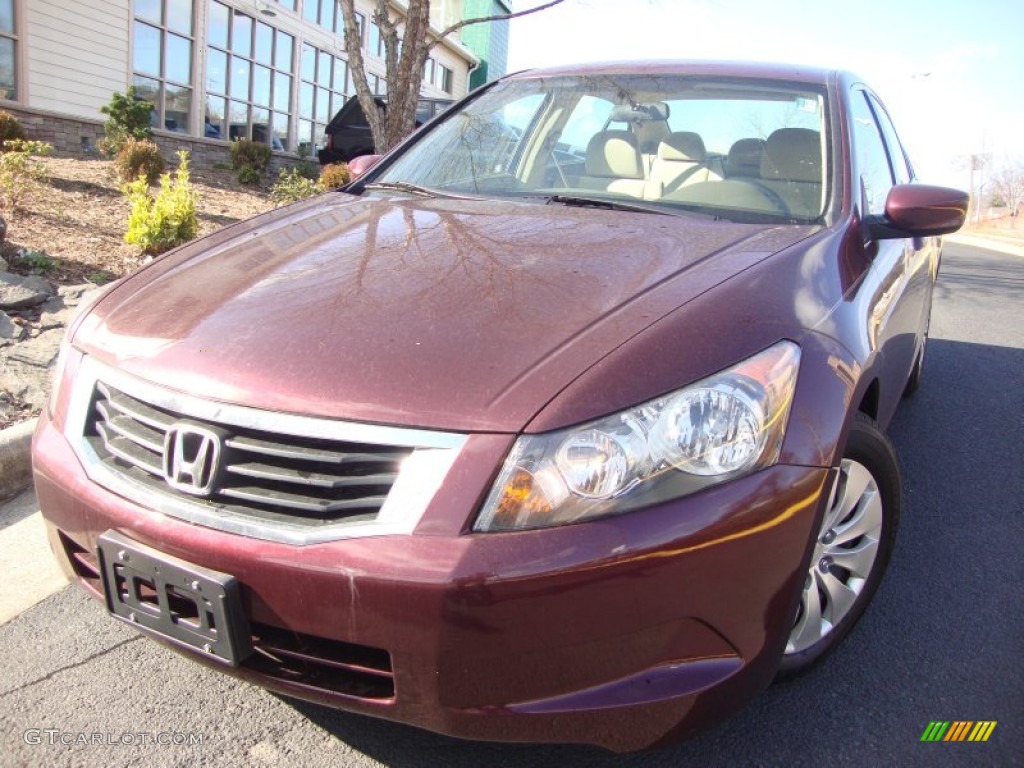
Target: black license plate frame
[(187, 604)]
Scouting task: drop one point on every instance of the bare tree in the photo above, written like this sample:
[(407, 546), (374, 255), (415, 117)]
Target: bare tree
[(407, 42), (1007, 185)]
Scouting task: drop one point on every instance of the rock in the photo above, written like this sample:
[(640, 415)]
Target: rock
[(3, 264), (53, 304), (9, 330), (18, 292), (72, 294), (58, 311), (28, 384), (3, 230), (40, 351), (56, 318)]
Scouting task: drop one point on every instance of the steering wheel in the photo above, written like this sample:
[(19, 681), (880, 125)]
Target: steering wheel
[(552, 142)]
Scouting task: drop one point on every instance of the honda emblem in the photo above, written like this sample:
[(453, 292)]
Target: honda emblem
[(191, 458)]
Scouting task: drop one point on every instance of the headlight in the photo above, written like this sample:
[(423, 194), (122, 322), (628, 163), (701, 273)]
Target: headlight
[(717, 429)]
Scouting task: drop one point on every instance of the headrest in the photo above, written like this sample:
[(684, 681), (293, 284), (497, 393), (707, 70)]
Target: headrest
[(792, 154), (744, 158), (682, 146), (650, 134), (614, 154)]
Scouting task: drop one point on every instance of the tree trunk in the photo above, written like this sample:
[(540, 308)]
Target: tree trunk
[(405, 59)]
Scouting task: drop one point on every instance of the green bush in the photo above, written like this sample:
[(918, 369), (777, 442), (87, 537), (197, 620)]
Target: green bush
[(20, 172), (10, 129), (335, 175), (292, 186), (101, 277), (248, 152), (139, 158), (160, 223), (249, 174), (308, 170), (128, 116), (39, 261)]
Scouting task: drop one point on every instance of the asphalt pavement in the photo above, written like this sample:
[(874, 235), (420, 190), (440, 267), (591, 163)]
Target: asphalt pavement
[(942, 640)]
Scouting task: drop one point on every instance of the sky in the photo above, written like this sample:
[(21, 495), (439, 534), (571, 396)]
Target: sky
[(950, 72)]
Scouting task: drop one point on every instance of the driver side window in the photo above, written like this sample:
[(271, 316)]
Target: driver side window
[(872, 160), (589, 116)]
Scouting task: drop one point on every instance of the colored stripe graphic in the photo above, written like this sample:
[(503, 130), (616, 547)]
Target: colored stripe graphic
[(982, 730), (958, 730)]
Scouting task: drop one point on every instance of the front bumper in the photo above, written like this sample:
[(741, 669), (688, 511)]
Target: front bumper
[(623, 632)]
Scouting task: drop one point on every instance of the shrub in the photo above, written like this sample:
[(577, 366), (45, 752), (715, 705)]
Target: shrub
[(128, 117), (292, 186), (139, 158), (20, 171), (10, 129), (160, 223), (39, 261), (334, 176), (308, 170), (250, 175), (248, 152), (100, 277)]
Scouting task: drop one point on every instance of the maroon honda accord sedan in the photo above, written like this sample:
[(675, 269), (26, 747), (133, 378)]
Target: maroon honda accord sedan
[(562, 423)]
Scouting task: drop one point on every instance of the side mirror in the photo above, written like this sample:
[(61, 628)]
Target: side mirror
[(358, 166), (919, 210)]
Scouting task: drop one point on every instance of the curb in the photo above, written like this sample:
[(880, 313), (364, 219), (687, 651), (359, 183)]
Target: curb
[(16, 458)]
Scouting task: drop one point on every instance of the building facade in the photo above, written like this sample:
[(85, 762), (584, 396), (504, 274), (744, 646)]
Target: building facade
[(489, 42), (215, 70)]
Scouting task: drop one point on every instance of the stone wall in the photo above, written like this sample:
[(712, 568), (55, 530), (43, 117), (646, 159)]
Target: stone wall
[(67, 134), (79, 136)]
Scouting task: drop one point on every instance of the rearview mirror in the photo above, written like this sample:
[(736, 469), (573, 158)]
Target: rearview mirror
[(358, 166), (919, 210)]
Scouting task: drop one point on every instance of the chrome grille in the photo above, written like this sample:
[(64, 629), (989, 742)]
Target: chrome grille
[(269, 476)]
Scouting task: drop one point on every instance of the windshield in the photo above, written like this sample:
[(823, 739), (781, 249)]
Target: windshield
[(742, 150)]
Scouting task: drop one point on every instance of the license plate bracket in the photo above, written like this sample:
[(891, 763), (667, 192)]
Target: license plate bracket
[(187, 604)]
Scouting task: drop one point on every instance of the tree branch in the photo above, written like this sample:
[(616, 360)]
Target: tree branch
[(498, 17)]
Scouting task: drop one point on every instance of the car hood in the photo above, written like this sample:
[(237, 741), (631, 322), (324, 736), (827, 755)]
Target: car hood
[(446, 314)]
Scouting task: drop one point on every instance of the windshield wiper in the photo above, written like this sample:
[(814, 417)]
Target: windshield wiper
[(608, 205), (415, 189), (403, 186)]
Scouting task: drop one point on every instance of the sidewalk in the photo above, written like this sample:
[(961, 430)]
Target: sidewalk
[(1009, 241), (30, 572)]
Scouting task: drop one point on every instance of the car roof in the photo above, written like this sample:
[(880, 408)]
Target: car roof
[(759, 70)]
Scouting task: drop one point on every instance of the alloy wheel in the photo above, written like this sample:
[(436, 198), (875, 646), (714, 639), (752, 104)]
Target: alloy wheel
[(844, 556)]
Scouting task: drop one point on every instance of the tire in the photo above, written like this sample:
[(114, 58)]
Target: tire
[(851, 550)]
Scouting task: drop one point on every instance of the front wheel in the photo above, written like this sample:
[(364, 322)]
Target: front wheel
[(851, 550)]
